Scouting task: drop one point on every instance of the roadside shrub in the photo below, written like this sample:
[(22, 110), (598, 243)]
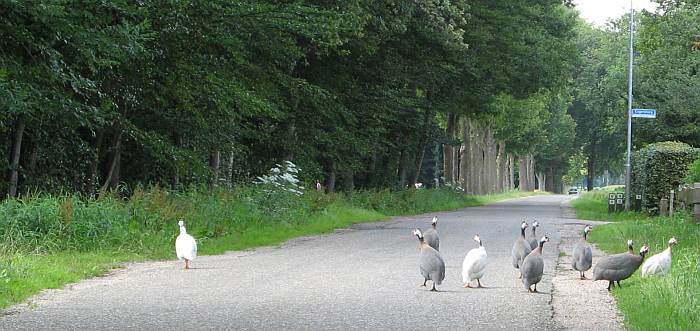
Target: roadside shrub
[(694, 171), (657, 169)]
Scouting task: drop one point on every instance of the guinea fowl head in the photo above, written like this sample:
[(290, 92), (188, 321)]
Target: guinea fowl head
[(543, 240), (477, 239), (523, 226), (587, 229), (672, 242), (434, 221), (644, 250), (180, 223), (418, 234), (630, 244)]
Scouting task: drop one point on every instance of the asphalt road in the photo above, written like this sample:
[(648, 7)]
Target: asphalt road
[(365, 277)]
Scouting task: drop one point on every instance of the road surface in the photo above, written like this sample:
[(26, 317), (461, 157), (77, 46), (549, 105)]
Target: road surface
[(365, 277)]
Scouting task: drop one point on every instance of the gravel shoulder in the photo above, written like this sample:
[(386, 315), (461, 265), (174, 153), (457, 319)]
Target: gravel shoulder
[(580, 304)]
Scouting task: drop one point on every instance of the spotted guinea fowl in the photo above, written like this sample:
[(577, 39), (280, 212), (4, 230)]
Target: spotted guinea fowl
[(533, 267), (185, 245), (582, 255), (659, 264), (533, 239), (521, 248), (432, 267), (431, 235), (474, 264), (615, 268)]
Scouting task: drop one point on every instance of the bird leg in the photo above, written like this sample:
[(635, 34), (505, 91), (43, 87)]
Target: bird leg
[(187, 264), (467, 285), (478, 282), (434, 289), (583, 275), (618, 284), (426, 280), (535, 290), (610, 284)]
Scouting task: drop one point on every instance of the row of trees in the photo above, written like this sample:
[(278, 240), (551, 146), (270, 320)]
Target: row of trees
[(95, 94), (667, 63), (483, 95)]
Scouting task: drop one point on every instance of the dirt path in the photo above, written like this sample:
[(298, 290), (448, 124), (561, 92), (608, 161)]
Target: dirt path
[(580, 304)]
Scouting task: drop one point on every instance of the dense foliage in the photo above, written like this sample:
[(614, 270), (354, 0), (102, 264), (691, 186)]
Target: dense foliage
[(101, 95), (658, 168)]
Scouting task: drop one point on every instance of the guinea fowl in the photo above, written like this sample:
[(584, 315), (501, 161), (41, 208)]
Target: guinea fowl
[(582, 255), (431, 235), (432, 267), (630, 246), (533, 239), (533, 267), (474, 264), (185, 246), (659, 264), (615, 268), (521, 248)]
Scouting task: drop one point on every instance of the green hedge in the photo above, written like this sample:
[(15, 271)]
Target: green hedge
[(694, 171), (658, 168)]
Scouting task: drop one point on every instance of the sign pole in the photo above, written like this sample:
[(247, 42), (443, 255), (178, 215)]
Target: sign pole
[(628, 165)]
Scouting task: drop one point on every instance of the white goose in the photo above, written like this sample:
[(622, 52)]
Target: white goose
[(659, 264), (474, 264), (185, 246)]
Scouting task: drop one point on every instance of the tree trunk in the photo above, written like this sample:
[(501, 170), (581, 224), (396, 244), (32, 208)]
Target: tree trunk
[(591, 171), (436, 171), (448, 151), (550, 187), (403, 165), (491, 162), (465, 156), (330, 186), (501, 166), (422, 142), (348, 181), (214, 163), (541, 181), (175, 180), (531, 172), (511, 171), (229, 170), (93, 180), (15, 157), (522, 174), (112, 179)]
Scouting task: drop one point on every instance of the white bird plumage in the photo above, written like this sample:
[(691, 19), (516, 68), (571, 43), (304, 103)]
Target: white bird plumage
[(659, 264), (474, 265), (185, 245)]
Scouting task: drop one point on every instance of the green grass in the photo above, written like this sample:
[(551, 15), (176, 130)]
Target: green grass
[(50, 241), (594, 206), (656, 303)]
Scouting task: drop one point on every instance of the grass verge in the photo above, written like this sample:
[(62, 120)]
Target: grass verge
[(52, 241), (653, 303), (594, 206)]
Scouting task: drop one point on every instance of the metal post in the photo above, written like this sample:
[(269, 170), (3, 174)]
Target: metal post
[(670, 205), (628, 165)]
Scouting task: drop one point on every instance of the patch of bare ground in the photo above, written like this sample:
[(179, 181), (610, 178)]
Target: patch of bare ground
[(580, 304)]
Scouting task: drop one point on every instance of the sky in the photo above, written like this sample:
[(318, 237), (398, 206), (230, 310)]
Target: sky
[(599, 12)]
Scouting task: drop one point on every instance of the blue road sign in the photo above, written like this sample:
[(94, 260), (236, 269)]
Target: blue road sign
[(644, 113)]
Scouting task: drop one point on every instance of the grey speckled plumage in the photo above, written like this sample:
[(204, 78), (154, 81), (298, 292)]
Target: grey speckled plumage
[(432, 266), (533, 267), (582, 255), (615, 268), (521, 248), (431, 235)]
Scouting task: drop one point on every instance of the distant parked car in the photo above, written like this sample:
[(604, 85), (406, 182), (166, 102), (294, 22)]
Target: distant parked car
[(573, 190)]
